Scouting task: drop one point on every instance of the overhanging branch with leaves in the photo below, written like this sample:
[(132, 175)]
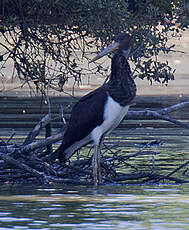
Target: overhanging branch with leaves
[(48, 41)]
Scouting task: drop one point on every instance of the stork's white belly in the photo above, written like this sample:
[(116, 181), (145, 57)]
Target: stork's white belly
[(113, 115)]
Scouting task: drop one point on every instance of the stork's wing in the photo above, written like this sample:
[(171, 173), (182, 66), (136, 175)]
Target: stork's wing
[(85, 116)]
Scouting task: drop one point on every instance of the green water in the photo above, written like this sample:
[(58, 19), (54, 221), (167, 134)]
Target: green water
[(163, 206), (108, 207)]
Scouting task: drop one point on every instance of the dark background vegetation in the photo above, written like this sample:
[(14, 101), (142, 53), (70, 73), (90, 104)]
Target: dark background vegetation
[(49, 40)]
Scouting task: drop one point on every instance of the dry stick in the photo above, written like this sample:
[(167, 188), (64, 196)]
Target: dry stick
[(177, 169), (163, 117), (68, 181), (159, 177), (20, 165), (177, 180), (48, 127), (34, 145), (173, 108), (62, 114), (36, 130), (148, 114), (41, 143), (48, 133), (11, 137), (139, 153)]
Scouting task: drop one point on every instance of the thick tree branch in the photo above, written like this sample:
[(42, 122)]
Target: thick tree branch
[(159, 114), (173, 108)]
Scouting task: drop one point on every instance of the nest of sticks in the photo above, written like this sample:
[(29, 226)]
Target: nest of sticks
[(28, 163)]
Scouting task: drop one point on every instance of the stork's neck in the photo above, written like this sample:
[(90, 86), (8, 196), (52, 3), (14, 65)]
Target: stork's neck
[(121, 85)]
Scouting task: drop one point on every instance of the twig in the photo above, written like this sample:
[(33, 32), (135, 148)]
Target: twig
[(177, 169), (10, 138), (163, 117), (158, 177), (148, 114), (173, 108), (62, 114), (31, 136), (48, 128), (41, 143)]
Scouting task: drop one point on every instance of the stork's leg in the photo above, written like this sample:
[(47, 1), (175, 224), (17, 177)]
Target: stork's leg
[(96, 163)]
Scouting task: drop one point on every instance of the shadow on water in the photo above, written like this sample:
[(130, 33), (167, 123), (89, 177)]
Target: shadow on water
[(163, 206)]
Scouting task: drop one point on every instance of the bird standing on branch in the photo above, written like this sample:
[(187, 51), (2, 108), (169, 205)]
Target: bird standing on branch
[(100, 111)]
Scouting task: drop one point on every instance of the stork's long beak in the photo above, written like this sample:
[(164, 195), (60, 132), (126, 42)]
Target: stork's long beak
[(110, 48)]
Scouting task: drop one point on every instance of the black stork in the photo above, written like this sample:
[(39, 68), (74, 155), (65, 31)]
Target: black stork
[(100, 111)]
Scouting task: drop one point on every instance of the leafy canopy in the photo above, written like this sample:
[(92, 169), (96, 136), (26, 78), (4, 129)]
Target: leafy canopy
[(49, 40)]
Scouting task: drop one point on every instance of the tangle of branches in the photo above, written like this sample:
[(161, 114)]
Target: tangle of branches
[(48, 41)]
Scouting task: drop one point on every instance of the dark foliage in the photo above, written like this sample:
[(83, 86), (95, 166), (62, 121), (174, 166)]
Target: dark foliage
[(48, 41)]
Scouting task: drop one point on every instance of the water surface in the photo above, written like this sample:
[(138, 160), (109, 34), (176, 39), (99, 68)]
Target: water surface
[(163, 206), (106, 207)]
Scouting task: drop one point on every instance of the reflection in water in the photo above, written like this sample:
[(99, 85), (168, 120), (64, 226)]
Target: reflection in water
[(108, 207)]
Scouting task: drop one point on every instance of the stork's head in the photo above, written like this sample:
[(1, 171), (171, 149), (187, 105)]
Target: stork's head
[(122, 43)]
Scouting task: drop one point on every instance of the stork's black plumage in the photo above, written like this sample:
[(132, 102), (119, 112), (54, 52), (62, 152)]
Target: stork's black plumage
[(86, 115), (97, 113)]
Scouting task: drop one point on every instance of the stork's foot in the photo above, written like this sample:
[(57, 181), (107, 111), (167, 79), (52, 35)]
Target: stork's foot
[(96, 167)]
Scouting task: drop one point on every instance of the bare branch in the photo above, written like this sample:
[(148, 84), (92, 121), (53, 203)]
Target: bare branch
[(173, 108), (42, 123)]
